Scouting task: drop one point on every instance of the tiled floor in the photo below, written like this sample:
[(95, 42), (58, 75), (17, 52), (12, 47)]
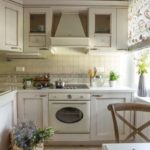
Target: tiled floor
[(73, 148)]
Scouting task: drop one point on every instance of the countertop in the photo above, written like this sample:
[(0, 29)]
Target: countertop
[(2, 92), (144, 99), (90, 90), (6, 97)]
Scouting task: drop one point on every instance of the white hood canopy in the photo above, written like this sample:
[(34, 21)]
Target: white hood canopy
[(70, 26), (70, 32)]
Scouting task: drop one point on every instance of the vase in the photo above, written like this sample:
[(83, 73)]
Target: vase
[(112, 83), (39, 146), (141, 86)]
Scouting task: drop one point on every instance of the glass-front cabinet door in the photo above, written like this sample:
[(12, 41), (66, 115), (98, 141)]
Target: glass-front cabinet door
[(102, 27), (37, 28), (37, 23)]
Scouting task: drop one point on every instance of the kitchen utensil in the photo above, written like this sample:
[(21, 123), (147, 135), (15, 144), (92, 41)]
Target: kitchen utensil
[(59, 84)]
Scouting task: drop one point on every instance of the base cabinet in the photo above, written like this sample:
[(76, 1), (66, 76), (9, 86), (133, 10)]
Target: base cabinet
[(34, 107), (141, 118), (7, 118), (102, 123)]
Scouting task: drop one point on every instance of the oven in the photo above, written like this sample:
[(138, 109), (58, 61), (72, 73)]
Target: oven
[(69, 113)]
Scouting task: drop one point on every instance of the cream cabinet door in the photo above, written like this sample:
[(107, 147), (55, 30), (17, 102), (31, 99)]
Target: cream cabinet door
[(11, 27), (37, 29), (102, 28), (102, 123), (34, 107)]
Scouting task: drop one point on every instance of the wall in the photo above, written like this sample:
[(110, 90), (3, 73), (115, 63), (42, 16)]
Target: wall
[(69, 64), (64, 64)]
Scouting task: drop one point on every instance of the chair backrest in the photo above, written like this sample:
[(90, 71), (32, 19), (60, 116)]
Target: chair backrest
[(118, 107)]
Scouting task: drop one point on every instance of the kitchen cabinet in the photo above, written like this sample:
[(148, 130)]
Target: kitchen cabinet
[(11, 26), (102, 27), (122, 28), (8, 117), (108, 28), (142, 117), (17, 1), (37, 29), (102, 123), (34, 107)]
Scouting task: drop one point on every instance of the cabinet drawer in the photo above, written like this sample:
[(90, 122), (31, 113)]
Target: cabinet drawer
[(102, 40), (111, 95), (37, 41), (69, 96)]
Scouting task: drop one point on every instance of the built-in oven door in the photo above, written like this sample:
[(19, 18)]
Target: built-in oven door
[(70, 116)]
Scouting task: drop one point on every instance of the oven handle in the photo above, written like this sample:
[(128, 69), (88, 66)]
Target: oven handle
[(69, 103)]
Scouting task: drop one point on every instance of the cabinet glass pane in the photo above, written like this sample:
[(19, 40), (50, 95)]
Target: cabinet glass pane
[(102, 24), (37, 23)]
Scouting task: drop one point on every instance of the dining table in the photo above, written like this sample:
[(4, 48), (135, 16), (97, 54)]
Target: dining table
[(126, 146)]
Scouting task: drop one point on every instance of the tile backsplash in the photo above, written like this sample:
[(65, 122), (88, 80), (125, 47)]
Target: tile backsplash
[(65, 65)]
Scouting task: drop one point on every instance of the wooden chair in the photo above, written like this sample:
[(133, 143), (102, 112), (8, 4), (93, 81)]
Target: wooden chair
[(118, 107)]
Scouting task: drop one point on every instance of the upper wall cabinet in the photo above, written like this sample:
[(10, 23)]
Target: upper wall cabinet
[(11, 26), (108, 28), (37, 29), (102, 28), (122, 28)]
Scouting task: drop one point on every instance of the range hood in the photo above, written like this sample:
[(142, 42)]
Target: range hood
[(70, 33)]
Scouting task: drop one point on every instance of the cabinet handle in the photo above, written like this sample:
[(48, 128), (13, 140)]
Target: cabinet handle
[(42, 95), (43, 48), (16, 48), (98, 96)]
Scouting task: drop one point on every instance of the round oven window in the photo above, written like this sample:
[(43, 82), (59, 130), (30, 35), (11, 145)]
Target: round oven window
[(69, 115)]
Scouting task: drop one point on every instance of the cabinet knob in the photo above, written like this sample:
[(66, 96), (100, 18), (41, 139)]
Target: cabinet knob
[(69, 97), (81, 96)]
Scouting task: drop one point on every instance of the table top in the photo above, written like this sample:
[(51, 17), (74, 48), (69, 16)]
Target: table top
[(126, 146)]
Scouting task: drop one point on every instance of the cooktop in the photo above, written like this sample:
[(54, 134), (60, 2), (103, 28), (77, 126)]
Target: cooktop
[(76, 86), (71, 86)]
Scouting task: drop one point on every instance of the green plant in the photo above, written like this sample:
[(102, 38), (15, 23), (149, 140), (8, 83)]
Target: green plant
[(143, 64), (113, 76), (26, 135)]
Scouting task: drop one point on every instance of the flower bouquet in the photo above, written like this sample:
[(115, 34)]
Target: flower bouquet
[(26, 136)]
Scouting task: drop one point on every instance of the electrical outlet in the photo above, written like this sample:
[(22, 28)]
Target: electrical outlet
[(20, 69)]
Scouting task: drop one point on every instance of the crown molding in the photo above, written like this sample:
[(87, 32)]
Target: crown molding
[(77, 3)]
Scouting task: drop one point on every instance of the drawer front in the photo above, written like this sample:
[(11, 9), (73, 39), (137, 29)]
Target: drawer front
[(112, 95), (69, 96), (37, 41), (102, 40)]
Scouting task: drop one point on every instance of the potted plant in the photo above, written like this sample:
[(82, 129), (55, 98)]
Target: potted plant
[(113, 77), (26, 136), (143, 66)]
